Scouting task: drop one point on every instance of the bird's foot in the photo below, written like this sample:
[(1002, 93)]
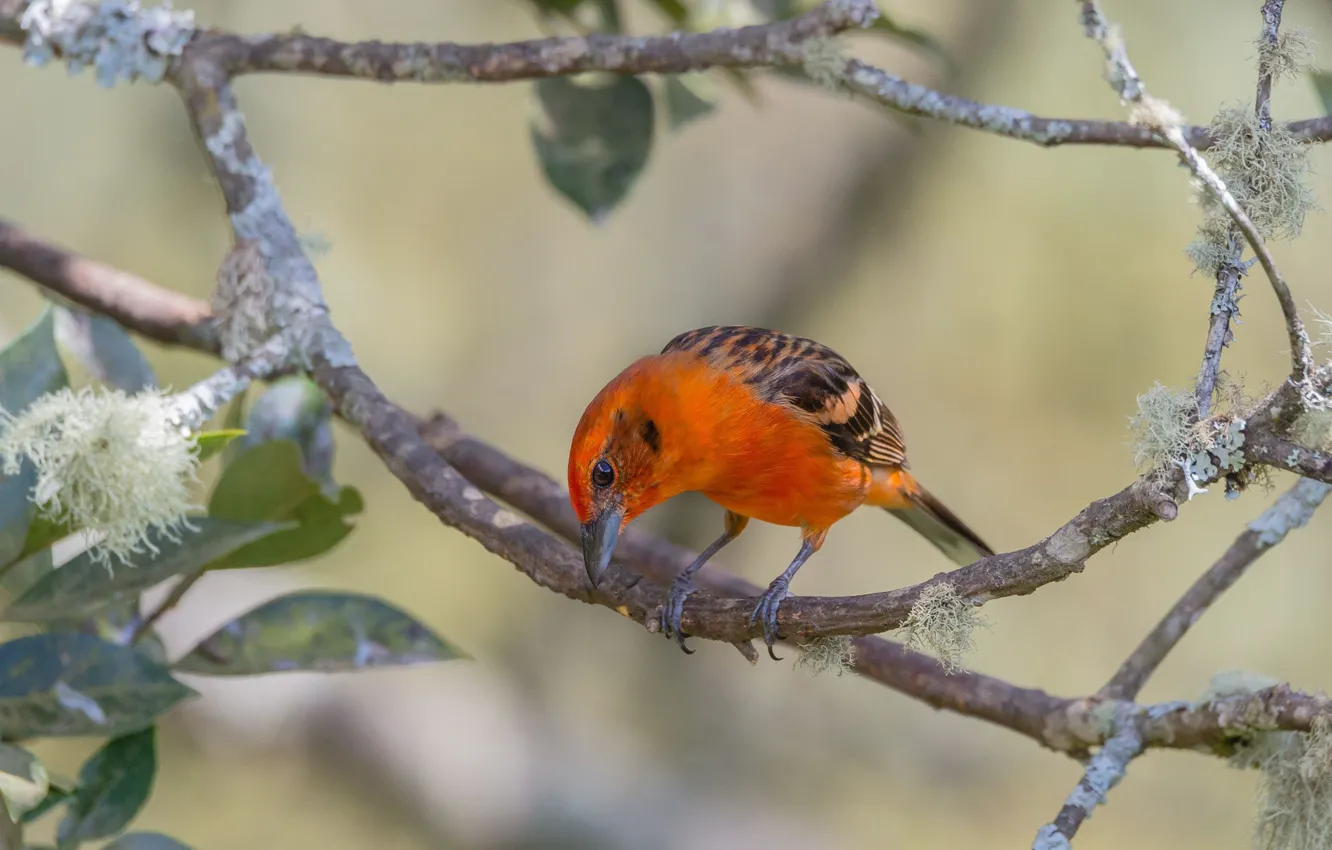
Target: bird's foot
[(767, 608), (673, 608)]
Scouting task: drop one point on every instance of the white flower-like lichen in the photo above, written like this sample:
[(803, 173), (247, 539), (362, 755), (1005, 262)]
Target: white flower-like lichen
[(113, 465)]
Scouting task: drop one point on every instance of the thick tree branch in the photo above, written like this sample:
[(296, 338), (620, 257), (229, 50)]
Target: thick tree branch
[(1064, 725), (157, 313)]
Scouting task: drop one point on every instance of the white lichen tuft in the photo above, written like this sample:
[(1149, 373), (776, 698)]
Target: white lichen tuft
[(942, 623), (1152, 111), (1162, 427), (1296, 789), (824, 61), (113, 465), (242, 301), (1291, 57), (833, 654), (1266, 171)]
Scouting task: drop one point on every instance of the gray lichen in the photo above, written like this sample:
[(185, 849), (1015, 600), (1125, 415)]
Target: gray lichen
[(119, 39)]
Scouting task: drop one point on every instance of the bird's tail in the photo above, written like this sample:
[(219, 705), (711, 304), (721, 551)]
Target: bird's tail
[(905, 498)]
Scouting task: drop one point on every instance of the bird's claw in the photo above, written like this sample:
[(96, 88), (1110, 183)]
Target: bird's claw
[(673, 608), (766, 610)]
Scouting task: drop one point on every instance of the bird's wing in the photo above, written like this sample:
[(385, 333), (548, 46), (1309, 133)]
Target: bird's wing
[(810, 377)]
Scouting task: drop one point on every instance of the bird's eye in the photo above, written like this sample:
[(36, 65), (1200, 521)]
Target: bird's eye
[(603, 474)]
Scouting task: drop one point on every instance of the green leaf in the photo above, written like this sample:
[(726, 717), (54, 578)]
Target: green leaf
[(104, 349), (83, 585), (113, 786), (316, 630), (30, 367), (145, 841), (16, 510), (267, 483), (212, 442), (54, 797), (76, 684), (593, 137), (674, 10), (689, 97), (23, 780), (294, 408), (1322, 81)]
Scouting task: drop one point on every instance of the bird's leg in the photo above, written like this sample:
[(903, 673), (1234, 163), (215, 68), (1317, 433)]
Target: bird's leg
[(771, 600), (684, 581)]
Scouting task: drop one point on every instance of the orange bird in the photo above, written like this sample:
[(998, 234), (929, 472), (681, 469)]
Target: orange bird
[(769, 426)]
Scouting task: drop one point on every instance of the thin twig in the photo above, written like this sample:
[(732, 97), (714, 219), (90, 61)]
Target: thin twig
[(1124, 80), (173, 599), (1104, 771), (1292, 510), (1225, 301)]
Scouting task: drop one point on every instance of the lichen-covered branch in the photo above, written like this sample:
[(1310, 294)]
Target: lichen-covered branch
[(1225, 300), (768, 45), (1153, 112), (1104, 771)]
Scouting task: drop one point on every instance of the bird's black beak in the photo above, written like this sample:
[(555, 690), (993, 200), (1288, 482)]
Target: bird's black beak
[(599, 539)]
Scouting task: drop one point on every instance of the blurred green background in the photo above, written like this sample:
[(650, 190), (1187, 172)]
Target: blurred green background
[(1008, 302)]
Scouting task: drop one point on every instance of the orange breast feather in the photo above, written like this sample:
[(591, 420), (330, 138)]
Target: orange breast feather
[(762, 459)]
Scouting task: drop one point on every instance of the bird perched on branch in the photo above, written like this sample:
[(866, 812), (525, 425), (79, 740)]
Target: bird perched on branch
[(769, 426)]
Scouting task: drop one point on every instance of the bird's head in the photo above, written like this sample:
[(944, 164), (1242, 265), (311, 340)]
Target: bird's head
[(618, 467)]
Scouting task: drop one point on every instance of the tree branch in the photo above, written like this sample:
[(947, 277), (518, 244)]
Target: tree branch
[(157, 313), (1292, 510), (766, 45), (1061, 724), (1225, 302), (1124, 80), (1104, 771)]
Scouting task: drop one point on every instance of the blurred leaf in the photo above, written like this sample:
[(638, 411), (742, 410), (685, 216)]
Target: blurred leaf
[(55, 795), (1322, 81), (145, 841), (268, 484), (315, 630), (104, 349), (76, 684), (113, 786), (17, 576), (234, 420), (294, 408), (916, 38), (16, 510), (23, 780), (609, 12), (688, 98), (674, 10), (83, 585), (593, 137), (212, 442), (30, 367), (116, 623), (43, 532)]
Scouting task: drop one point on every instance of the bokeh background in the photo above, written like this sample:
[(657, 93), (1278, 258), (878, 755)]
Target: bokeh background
[(1008, 302)]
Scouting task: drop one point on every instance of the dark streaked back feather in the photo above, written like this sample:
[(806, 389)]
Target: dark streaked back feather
[(811, 377)]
